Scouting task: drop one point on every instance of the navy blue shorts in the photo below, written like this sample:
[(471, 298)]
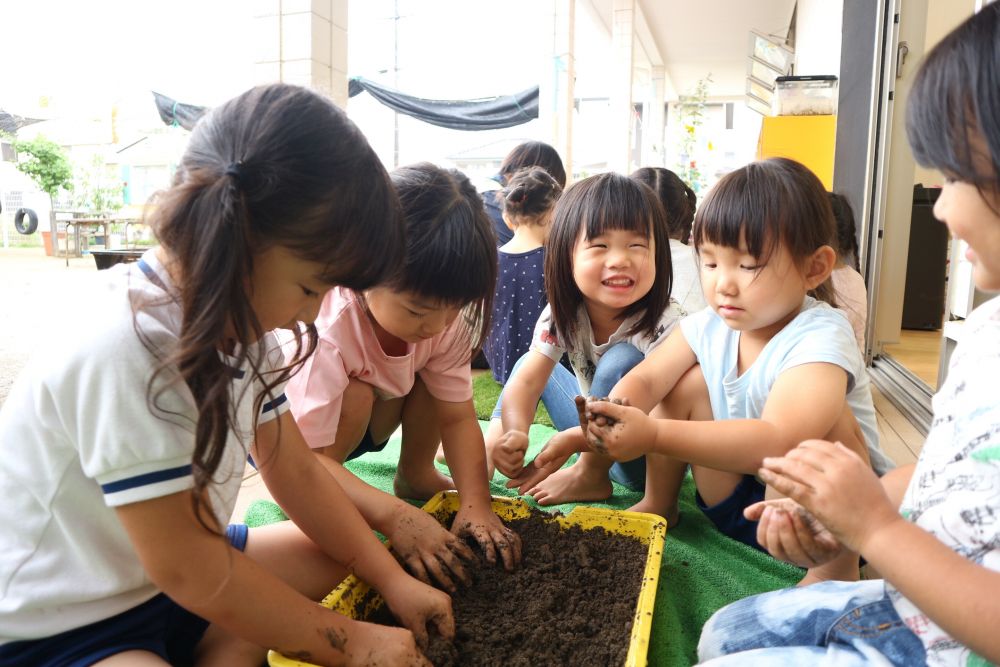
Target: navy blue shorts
[(159, 625), (728, 514), (366, 445)]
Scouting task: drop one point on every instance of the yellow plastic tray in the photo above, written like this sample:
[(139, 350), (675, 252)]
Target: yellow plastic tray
[(649, 529)]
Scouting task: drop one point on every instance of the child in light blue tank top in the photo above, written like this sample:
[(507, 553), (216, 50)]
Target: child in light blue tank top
[(765, 367)]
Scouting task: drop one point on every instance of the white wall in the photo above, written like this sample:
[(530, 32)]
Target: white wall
[(943, 16), (818, 36)]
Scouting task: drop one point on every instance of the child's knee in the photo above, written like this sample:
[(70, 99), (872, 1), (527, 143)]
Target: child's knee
[(618, 360), (688, 399), (357, 396)]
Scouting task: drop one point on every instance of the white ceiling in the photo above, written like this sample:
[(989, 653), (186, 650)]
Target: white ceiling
[(692, 38)]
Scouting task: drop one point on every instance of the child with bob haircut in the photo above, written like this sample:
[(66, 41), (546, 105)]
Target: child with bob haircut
[(399, 353), (931, 529), (607, 275), (124, 449), (726, 389)]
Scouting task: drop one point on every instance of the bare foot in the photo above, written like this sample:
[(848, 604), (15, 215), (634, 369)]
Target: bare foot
[(422, 486), (672, 514), (577, 483), (842, 568)]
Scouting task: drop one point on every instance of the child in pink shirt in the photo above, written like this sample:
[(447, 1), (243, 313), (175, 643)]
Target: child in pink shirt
[(400, 354)]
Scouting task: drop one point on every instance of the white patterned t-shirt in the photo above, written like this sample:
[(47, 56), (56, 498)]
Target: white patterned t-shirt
[(955, 490), (583, 352)]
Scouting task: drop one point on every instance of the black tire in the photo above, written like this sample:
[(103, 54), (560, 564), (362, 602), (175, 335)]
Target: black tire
[(19, 221)]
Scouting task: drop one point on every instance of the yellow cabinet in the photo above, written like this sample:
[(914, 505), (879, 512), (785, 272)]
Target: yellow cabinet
[(810, 140)]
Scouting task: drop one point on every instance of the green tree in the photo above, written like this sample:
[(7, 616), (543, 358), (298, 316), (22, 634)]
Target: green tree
[(45, 162)]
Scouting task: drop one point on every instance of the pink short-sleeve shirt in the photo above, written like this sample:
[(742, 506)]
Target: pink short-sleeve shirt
[(348, 348)]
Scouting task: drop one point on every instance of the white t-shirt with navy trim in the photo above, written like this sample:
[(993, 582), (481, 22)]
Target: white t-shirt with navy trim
[(818, 334), (78, 438)]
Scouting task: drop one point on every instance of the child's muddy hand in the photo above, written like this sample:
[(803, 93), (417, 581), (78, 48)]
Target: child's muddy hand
[(417, 606), (790, 533), (602, 419), (627, 433), (428, 550), (373, 644), (837, 486), (507, 453), (552, 457), (491, 534)]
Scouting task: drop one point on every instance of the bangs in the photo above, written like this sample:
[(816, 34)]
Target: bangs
[(736, 210), (620, 207), (939, 118), (450, 266), (450, 254)]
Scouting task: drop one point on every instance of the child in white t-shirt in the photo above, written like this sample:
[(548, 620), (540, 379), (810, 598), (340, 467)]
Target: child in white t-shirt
[(399, 354), (124, 446), (938, 545)]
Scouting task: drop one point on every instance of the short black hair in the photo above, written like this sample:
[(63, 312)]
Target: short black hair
[(451, 252)]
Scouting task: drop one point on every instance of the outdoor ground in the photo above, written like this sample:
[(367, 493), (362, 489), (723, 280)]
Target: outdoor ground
[(33, 290)]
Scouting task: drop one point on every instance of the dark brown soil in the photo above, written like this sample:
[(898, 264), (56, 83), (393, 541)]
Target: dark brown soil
[(571, 602)]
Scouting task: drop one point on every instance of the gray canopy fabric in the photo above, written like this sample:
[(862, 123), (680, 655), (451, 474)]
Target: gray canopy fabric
[(483, 114), (176, 113), (11, 123)]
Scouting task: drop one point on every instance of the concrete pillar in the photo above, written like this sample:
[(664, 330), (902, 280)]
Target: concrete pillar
[(653, 153), (303, 42), (556, 93), (622, 114)]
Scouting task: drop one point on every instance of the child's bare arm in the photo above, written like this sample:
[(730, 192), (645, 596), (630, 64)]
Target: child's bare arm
[(429, 551), (305, 490), (523, 390), (203, 573), (837, 486), (462, 440), (656, 375), (790, 415), (520, 398)]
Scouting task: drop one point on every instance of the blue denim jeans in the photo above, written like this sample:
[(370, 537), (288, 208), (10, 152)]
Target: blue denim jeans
[(835, 623), (562, 387)]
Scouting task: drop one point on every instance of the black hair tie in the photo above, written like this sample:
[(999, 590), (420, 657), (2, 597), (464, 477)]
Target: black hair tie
[(235, 169)]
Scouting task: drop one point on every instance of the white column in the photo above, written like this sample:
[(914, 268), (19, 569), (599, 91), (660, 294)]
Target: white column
[(557, 88), (623, 44), (653, 154), (303, 42)]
